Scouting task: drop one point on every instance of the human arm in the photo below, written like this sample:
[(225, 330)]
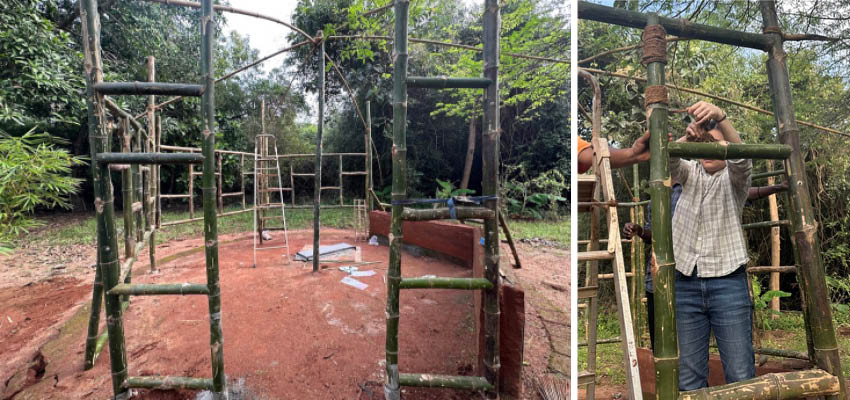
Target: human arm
[(703, 111), (631, 229)]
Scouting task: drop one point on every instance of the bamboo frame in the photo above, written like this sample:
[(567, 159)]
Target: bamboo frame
[(317, 183)]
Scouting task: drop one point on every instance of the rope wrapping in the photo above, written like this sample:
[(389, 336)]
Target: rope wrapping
[(654, 39), (655, 94)]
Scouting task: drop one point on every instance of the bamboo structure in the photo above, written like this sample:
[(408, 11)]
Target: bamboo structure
[(823, 352), (317, 183)]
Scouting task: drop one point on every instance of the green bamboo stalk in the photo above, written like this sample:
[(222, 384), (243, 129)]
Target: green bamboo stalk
[(676, 27), (158, 175), (445, 381), (399, 192), (209, 197), (146, 289), (370, 205), (445, 283), (726, 151), (94, 319), (169, 383), (444, 82), (151, 183), (138, 190), (491, 130), (107, 241), (149, 158), (149, 88), (427, 214), (766, 224), (811, 276), (768, 174), (660, 189), (782, 353), (640, 261), (776, 386), (104, 336), (317, 182), (510, 239), (127, 194)]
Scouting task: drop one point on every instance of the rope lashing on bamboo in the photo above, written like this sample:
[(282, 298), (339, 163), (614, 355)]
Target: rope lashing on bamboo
[(655, 94), (449, 201), (654, 39), (772, 29)]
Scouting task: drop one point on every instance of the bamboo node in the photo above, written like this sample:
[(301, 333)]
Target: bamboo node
[(654, 44)]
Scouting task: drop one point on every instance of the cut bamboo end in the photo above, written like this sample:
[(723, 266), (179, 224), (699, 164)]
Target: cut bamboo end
[(445, 283), (444, 381), (168, 382), (412, 214), (144, 289), (776, 386)]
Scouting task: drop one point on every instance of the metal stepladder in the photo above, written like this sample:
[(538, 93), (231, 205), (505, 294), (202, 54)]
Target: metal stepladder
[(108, 265), (264, 173), (489, 285), (597, 192)]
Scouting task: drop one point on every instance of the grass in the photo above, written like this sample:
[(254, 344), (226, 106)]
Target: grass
[(786, 332), (557, 231)]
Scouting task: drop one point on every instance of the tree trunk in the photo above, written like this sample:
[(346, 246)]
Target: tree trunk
[(470, 154)]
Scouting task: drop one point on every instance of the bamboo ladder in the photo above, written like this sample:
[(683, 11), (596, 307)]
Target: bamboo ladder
[(826, 378), (266, 168), (601, 185), (488, 212), (108, 267)]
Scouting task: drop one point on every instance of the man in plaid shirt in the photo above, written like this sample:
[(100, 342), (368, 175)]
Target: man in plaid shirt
[(711, 256)]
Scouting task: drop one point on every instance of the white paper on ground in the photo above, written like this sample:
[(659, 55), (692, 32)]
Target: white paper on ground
[(363, 273), (354, 282)]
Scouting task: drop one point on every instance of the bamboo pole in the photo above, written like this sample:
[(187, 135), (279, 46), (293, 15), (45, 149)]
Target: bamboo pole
[(94, 319), (139, 157), (510, 239), (169, 383), (368, 137), (340, 180), (446, 381), (220, 183), (107, 242), (158, 173), (445, 283), (399, 192), (775, 243), (127, 193), (666, 349), (491, 131), (811, 274), (242, 179), (640, 261), (209, 191), (776, 386), (152, 181), (191, 191), (427, 214), (726, 151), (317, 182)]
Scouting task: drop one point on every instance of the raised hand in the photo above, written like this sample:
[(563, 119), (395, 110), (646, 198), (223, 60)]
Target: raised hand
[(703, 111)]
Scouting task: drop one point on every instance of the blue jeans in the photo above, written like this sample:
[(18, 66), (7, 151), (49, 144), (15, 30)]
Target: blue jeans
[(722, 305)]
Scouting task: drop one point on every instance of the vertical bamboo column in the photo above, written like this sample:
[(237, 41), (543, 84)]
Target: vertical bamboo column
[(291, 182), (317, 180), (639, 251), (191, 191), (138, 204), (152, 183), (158, 176), (399, 193), (660, 189), (340, 180), (368, 142), (209, 192), (242, 179), (491, 130), (220, 186), (811, 270), (127, 192), (107, 240)]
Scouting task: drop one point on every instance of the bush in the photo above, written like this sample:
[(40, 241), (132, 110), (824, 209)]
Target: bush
[(33, 174)]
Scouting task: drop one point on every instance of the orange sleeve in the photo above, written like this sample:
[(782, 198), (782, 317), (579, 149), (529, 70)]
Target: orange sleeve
[(582, 144)]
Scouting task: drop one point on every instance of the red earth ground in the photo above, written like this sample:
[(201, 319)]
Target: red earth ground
[(288, 333)]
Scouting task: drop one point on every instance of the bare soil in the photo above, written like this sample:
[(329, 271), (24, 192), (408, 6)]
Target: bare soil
[(288, 333)]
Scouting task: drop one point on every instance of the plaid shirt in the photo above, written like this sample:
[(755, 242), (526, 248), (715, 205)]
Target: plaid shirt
[(707, 223)]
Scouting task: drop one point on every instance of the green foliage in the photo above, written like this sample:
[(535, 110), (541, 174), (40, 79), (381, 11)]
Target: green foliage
[(33, 174), (535, 197), (761, 301), (447, 189)]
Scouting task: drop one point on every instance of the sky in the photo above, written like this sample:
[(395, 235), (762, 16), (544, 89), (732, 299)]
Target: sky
[(265, 36)]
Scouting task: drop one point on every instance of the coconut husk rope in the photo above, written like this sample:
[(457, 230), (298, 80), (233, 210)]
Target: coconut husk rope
[(655, 94), (654, 44)]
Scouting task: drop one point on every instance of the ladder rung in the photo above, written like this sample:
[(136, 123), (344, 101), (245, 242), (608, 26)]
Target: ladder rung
[(265, 218), (445, 283), (302, 174), (274, 228), (270, 248), (611, 275), (149, 158), (266, 169), (231, 194), (766, 224), (444, 381), (585, 378), (354, 173), (427, 214), (275, 189), (595, 255), (331, 188), (787, 269), (147, 289), (270, 205), (443, 82), (587, 292), (168, 382), (149, 88), (174, 196), (266, 159)]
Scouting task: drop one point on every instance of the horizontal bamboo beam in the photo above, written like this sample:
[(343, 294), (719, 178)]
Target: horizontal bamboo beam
[(428, 214), (444, 381), (783, 269), (726, 151), (776, 386), (445, 283), (168, 383), (768, 174), (149, 88), (175, 196), (766, 224), (149, 158), (443, 82), (302, 155), (677, 27), (611, 340), (146, 289), (186, 221), (783, 353)]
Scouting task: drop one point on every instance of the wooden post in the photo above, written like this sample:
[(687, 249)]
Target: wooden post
[(242, 179), (666, 342), (491, 131), (399, 192), (191, 191), (640, 261), (291, 182), (811, 275), (317, 181), (368, 138), (107, 241), (151, 182), (774, 244)]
